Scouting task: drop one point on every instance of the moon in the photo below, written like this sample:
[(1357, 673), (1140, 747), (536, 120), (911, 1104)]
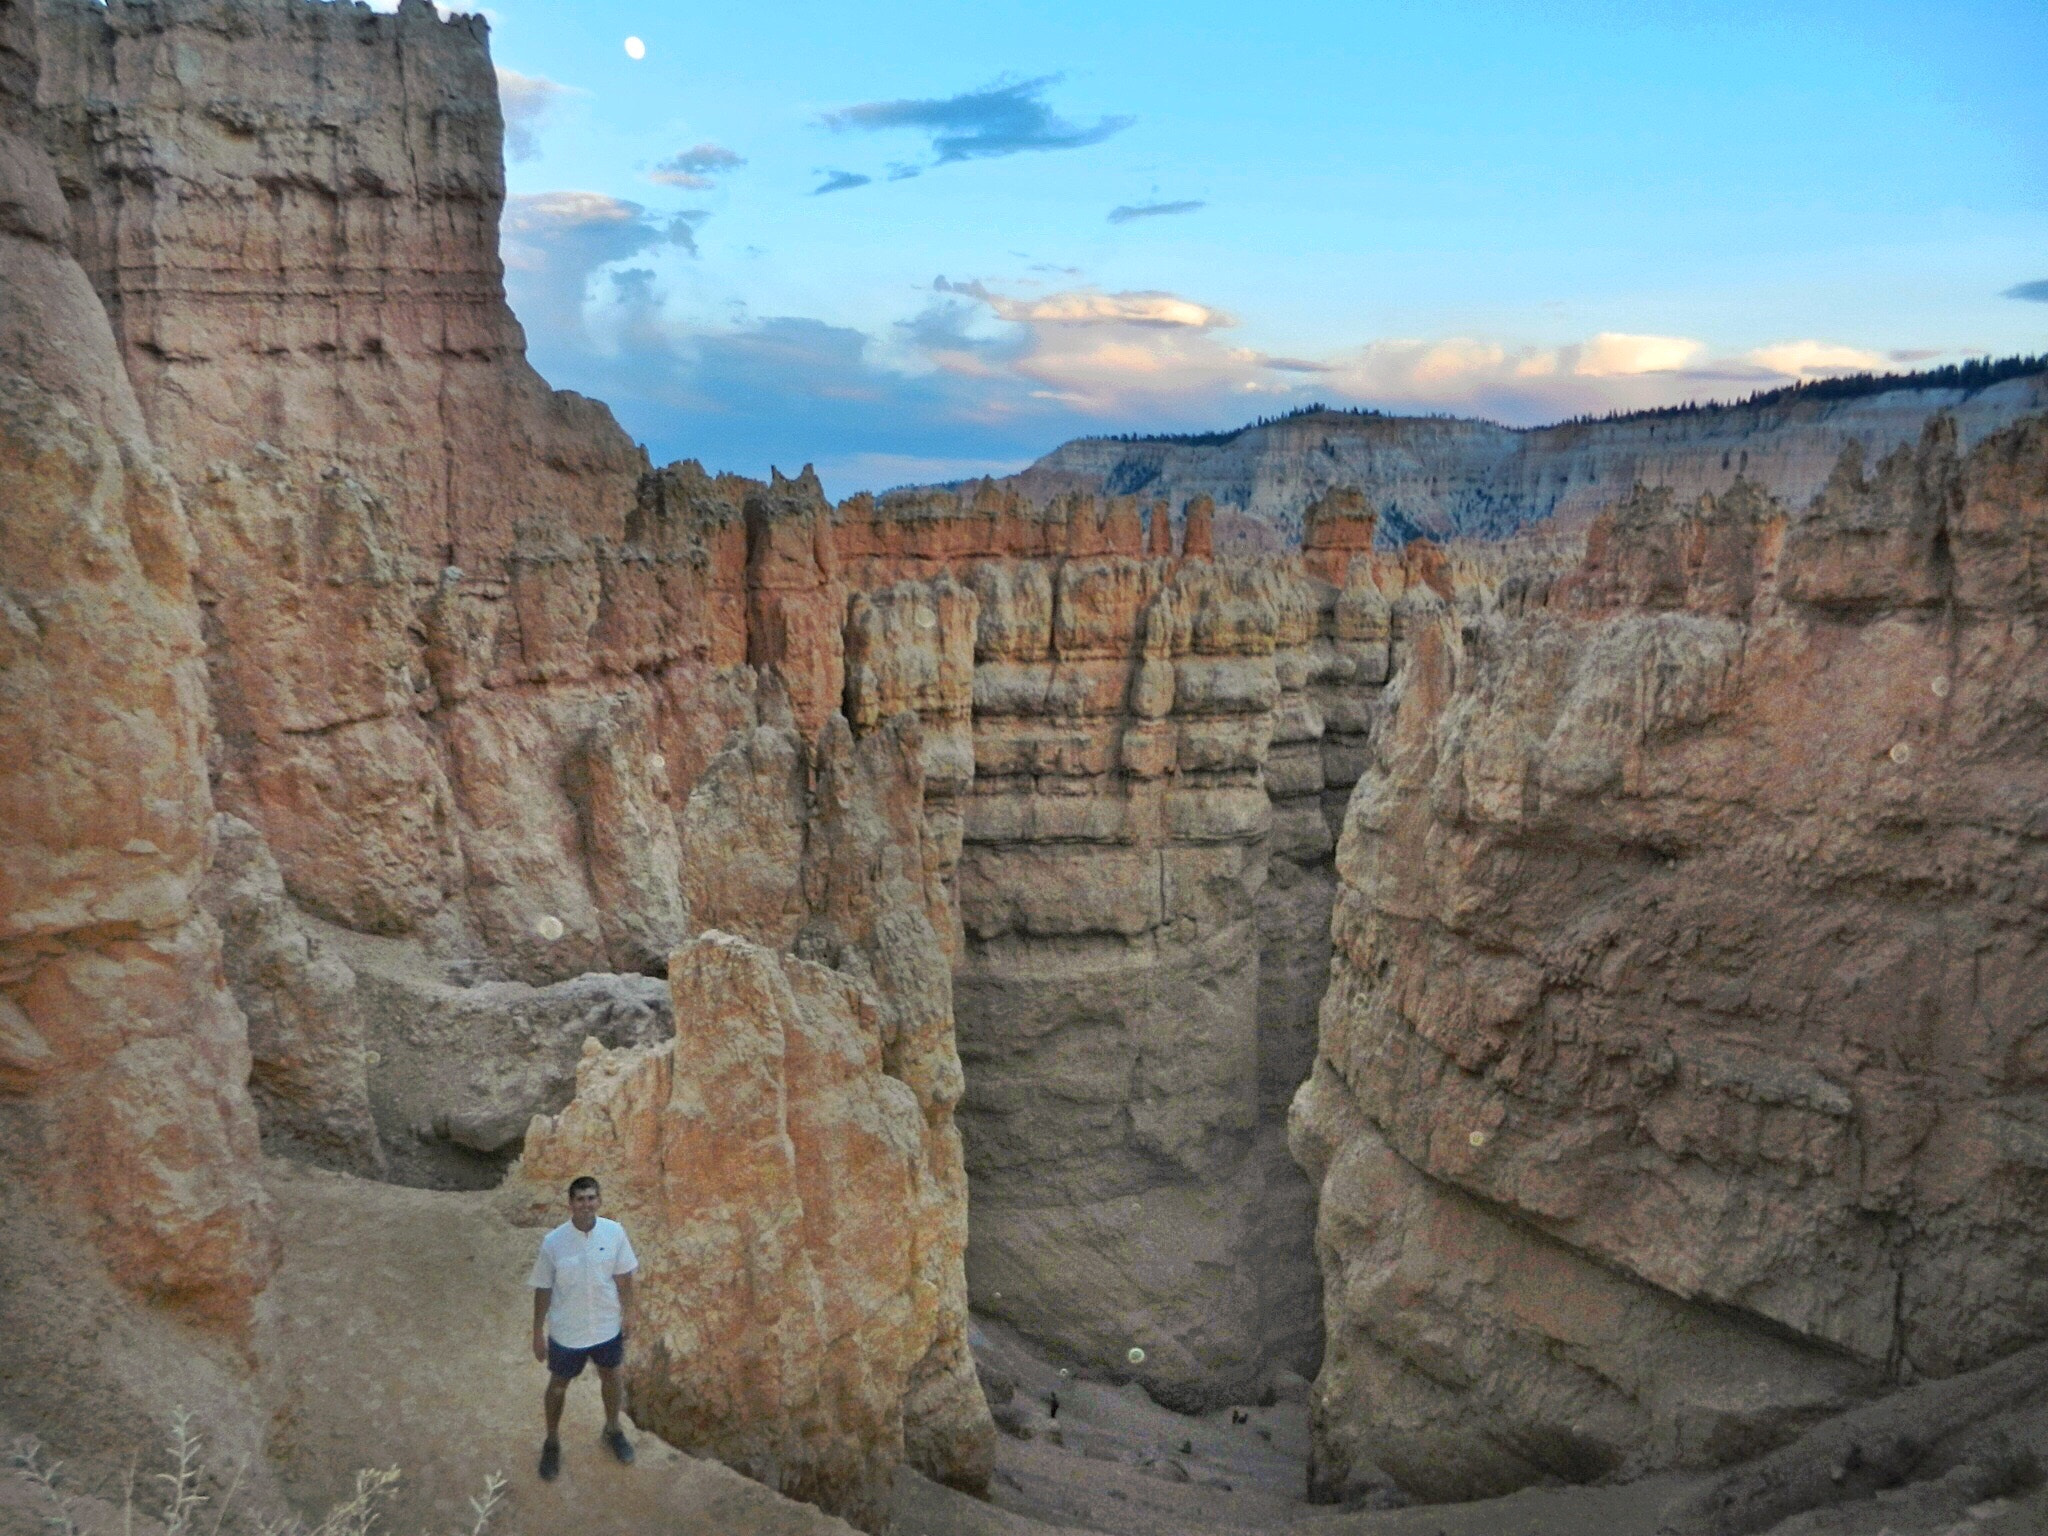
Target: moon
[(635, 49)]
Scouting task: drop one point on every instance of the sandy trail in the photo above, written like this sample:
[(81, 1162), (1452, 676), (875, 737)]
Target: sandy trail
[(398, 1335)]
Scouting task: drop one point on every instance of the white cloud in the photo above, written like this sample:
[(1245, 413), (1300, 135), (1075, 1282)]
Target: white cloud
[(1102, 353), (1451, 371), (696, 169), (1090, 306), (525, 100), (548, 212), (1613, 353), (555, 241), (1811, 359)]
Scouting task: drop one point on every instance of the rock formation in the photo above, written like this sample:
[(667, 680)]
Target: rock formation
[(308, 1059), (290, 210), (128, 1145), (788, 1160), (119, 1035), (1146, 756), (807, 1326), (1445, 478), (1680, 1075), (479, 684)]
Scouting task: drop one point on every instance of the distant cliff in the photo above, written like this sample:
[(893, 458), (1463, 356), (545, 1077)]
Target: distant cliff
[(1443, 477)]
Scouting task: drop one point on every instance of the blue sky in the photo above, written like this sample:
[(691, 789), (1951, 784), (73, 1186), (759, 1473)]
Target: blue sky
[(923, 240)]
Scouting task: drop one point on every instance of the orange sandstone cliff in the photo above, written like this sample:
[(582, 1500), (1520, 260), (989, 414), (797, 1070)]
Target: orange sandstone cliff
[(128, 1143), (1680, 1079)]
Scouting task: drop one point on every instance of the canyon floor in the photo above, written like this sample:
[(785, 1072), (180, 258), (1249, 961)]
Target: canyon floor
[(397, 1336)]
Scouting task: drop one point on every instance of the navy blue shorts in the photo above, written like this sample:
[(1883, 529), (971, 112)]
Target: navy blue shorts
[(567, 1364)]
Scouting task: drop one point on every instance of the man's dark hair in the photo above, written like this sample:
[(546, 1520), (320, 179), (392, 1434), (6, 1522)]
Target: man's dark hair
[(582, 1181)]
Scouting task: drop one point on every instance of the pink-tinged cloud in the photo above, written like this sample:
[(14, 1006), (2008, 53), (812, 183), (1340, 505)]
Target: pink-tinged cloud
[(1613, 354), (696, 168), (1815, 359), (1090, 307)]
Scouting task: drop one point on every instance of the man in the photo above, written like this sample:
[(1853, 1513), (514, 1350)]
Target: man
[(583, 1311)]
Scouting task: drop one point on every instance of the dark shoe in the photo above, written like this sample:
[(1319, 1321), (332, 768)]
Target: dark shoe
[(550, 1460), (621, 1447)]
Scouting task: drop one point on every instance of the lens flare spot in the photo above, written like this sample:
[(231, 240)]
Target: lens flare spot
[(1940, 687), (1900, 753), (1477, 1138), (1135, 1355), (549, 928)]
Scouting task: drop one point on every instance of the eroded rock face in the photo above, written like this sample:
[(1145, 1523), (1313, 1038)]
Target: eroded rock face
[(460, 1069), (766, 1165), (291, 210), (308, 1071), (294, 210), (1688, 989), (788, 1162), (123, 1059), (1143, 886)]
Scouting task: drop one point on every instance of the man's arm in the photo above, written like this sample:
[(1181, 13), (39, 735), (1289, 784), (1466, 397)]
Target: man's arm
[(626, 1317), (540, 1324)]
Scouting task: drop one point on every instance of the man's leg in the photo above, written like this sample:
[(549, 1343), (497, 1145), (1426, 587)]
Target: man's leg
[(551, 1448), (611, 1381), (552, 1400)]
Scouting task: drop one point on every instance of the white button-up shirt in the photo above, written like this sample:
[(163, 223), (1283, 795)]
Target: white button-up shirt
[(580, 1270)]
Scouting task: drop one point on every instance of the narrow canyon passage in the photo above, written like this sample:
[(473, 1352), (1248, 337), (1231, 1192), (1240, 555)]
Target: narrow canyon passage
[(1160, 752)]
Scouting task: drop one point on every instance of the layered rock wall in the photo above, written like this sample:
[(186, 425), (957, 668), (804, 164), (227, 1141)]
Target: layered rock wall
[(1680, 1075), (290, 212), (1444, 478), (1145, 750)]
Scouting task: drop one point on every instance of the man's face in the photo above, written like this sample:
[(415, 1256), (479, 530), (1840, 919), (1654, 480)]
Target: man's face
[(583, 1208)]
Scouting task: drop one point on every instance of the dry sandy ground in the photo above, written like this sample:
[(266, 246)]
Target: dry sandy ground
[(1120, 1463), (398, 1336)]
